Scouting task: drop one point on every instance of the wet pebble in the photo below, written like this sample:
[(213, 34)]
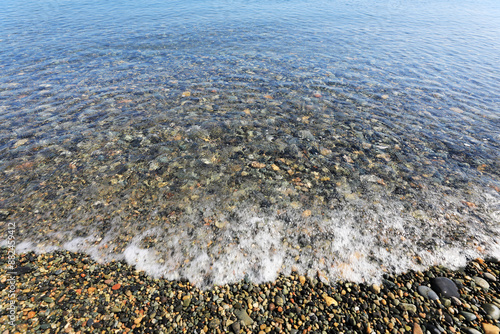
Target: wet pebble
[(468, 316), (427, 292), (481, 282), (492, 310), (445, 287), (242, 315), (469, 330)]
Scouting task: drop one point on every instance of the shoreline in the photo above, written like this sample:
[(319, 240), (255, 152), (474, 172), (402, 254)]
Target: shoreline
[(65, 292)]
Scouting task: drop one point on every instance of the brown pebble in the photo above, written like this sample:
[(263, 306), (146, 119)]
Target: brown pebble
[(271, 307), (490, 329), (417, 329)]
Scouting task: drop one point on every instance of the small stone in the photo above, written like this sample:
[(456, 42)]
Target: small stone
[(186, 94), (116, 286), (20, 142), (409, 307), (481, 282), (469, 330), (490, 277), (492, 310), (445, 287), (214, 323), (186, 300), (48, 300), (417, 329), (306, 213), (330, 301), (302, 280), (490, 329), (457, 110), (427, 292), (235, 326), (385, 96), (242, 315), (325, 151), (468, 316), (115, 309), (375, 288), (256, 164), (279, 301)]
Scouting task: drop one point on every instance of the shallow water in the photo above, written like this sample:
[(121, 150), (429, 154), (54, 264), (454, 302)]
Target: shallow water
[(223, 139)]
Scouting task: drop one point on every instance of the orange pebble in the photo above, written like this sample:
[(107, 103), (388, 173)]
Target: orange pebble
[(280, 309), (116, 286)]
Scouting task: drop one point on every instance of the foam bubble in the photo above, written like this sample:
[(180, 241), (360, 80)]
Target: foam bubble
[(359, 242)]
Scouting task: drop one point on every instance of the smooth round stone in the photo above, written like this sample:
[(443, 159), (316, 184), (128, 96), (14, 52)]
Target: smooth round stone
[(492, 310), (432, 329), (482, 282), (468, 316), (427, 292), (375, 288), (469, 330), (445, 287), (490, 277), (490, 329), (456, 301)]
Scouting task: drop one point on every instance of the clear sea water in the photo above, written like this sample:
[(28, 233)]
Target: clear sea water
[(217, 140)]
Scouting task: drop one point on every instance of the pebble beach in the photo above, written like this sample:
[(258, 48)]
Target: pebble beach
[(65, 292)]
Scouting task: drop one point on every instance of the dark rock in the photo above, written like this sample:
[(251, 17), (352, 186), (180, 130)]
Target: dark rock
[(445, 287), (492, 310), (235, 326)]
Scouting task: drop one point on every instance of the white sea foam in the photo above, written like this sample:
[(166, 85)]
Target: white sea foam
[(360, 242)]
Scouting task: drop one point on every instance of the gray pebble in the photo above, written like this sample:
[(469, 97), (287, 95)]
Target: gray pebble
[(427, 292), (490, 277), (235, 326), (469, 330), (468, 316), (481, 282), (492, 310), (242, 315), (445, 287)]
